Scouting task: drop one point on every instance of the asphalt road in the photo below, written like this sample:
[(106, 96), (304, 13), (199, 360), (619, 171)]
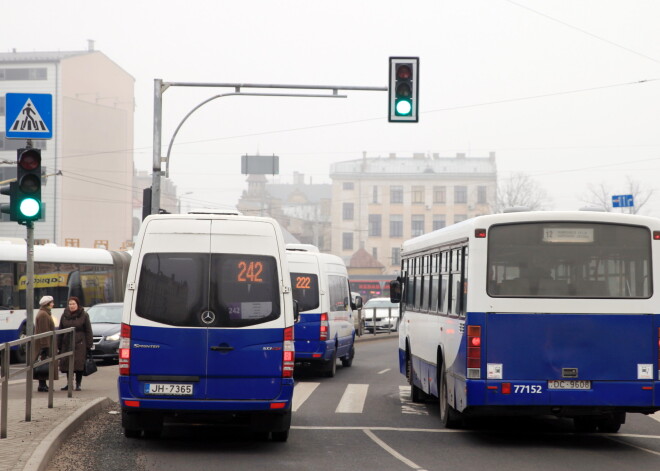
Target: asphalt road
[(362, 419)]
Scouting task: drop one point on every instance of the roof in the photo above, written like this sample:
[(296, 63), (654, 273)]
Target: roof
[(363, 259), (40, 56), (416, 165)]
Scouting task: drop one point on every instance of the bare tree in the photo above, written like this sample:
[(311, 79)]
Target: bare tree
[(520, 190), (601, 195)]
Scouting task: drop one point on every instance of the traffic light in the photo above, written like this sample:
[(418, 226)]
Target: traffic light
[(404, 90), (9, 208), (26, 199)]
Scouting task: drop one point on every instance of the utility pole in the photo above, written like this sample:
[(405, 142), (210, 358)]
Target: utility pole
[(160, 87)]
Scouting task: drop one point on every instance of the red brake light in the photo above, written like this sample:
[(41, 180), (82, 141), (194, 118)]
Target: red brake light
[(656, 235), (474, 351), (323, 330), (506, 388), (125, 350), (480, 233), (288, 354)]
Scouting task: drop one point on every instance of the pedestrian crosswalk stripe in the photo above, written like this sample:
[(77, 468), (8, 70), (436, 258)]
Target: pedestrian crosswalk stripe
[(352, 402), (301, 393), (409, 407)]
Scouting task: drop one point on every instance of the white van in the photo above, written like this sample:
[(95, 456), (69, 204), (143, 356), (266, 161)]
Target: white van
[(325, 330), (207, 326)]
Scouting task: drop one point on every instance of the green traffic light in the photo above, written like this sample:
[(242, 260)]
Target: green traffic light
[(403, 107), (29, 207)]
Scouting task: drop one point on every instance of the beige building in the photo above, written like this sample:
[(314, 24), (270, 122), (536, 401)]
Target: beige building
[(377, 203), (91, 202)]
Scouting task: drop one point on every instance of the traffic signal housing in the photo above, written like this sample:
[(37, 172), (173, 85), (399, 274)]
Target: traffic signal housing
[(403, 90), (9, 208), (26, 199)]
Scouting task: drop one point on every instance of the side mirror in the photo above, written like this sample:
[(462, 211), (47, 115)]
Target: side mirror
[(395, 290), (358, 302), (296, 311)]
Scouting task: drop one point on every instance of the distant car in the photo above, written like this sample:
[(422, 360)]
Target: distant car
[(386, 313), (106, 326)]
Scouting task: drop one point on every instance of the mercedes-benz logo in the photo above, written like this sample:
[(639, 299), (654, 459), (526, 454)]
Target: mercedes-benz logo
[(208, 317)]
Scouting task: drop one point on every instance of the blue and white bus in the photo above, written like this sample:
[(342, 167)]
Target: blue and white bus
[(534, 313), (93, 275)]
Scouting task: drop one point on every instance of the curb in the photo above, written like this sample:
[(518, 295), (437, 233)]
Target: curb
[(370, 337), (49, 445)]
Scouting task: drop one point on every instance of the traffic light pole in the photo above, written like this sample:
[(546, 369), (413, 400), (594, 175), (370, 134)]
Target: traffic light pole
[(29, 273), (160, 87)]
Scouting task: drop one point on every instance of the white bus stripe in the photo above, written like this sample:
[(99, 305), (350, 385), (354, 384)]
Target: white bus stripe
[(301, 393), (352, 402)]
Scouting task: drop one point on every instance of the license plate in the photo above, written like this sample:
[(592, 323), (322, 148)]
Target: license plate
[(568, 384), (168, 389)]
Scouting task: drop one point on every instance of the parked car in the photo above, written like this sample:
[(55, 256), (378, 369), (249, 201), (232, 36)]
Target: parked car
[(106, 326), (386, 315)]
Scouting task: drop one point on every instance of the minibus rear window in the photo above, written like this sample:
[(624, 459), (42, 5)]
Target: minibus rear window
[(202, 290), (305, 288)]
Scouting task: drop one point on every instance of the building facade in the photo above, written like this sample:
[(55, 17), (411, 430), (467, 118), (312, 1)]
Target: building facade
[(88, 190), (377, 203)]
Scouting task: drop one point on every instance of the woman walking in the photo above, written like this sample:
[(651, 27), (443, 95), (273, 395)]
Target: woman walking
[(44, 323), (75, 316)]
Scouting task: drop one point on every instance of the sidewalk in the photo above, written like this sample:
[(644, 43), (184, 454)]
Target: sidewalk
[(30, 445)]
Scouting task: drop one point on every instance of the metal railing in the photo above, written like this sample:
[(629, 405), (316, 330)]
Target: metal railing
[(373, 318), (30, 364)]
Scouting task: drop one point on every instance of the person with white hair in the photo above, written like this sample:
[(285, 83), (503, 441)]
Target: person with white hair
[(44, 323)]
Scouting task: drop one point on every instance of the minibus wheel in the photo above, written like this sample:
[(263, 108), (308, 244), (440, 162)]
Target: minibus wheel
[(280, 436), (347, 361), (331, 367)]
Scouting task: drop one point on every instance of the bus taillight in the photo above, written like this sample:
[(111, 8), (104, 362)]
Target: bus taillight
[(325, 325), (125, 350), (288, 354), (474, 351)]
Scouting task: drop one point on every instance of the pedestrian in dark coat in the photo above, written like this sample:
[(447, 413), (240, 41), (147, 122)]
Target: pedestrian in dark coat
[(44, 323), (75, 316)]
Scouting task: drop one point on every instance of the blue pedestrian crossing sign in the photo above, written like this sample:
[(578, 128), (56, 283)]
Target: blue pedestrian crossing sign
[(623, 201), (29, 116)]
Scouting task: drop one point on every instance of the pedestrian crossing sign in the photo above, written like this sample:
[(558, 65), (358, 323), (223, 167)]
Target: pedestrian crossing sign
[(28, 116)]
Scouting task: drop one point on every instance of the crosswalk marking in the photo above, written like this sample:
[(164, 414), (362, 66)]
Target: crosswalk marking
[(352, 402), (354, 398), (301, 393), (409, 407)]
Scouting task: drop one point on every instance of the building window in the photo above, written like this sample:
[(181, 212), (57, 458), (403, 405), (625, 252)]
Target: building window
[(34, 73), (396, 225), (481, 195), (459, 217), (347, 241), (417, 194), (460, 194), (417, 225), (2, 105), (347, 211), (396, 194), (347, 186), (396, 256), (375, 225), (439, 221), (440, 194), (374, 252), (374, 195)]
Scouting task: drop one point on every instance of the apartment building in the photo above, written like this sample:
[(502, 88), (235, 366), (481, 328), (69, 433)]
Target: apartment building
[(379, 202), (88, 190)]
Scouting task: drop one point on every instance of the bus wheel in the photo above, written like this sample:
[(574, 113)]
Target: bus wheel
[(585, 424), (281, 436), (347, 361), (416, 394), (132, 432), (18, 355), (449, 416), (611, 424)]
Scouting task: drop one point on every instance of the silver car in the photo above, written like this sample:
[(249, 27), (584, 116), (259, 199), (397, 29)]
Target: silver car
[(381, 313)]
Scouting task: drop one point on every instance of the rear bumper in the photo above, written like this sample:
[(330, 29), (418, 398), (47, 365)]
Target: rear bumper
[(630, 396), (314, 350), (174, 405)]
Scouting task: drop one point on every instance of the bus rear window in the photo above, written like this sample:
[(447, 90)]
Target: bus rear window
[(569, 260), (305, 289), (238, 290)]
